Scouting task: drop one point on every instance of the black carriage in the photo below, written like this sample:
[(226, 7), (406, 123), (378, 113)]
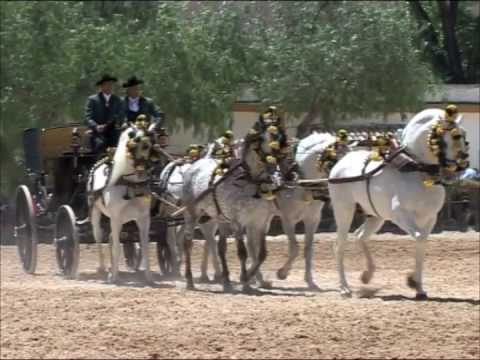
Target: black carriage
[(52, 203)]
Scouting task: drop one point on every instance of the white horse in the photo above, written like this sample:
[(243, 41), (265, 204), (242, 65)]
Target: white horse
[(408, 199), (120, 192), (298, 204), (172, 179), (232, 201)]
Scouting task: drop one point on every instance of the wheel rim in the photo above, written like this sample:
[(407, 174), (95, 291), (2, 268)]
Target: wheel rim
[(66, 242), (25, 230)]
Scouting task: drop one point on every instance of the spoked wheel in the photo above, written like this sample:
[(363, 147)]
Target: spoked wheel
[(66, 242), (26, 229), (132, 253)]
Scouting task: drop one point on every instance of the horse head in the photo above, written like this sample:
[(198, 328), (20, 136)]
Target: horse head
[(139, 150), (440, 140)]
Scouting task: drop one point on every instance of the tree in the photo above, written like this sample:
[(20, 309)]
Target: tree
[(448, 30), (340, 59)]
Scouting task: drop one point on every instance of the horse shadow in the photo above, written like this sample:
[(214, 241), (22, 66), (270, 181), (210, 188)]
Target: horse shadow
[(428, 299), (272, 291), (129, 279)]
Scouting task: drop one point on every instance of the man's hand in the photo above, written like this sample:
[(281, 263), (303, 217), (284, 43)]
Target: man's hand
[(100, 128)]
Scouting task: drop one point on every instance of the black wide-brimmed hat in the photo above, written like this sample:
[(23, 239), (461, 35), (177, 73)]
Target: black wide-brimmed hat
[(105, 78), (132, 82)]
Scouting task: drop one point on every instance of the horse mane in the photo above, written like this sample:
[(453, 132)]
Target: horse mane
[(423, 117), (307, 145), (120, 157)]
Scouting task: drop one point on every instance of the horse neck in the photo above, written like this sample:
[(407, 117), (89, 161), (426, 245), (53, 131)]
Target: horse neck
[(308, 162), (122, 165), (251, 159), (415, 139)]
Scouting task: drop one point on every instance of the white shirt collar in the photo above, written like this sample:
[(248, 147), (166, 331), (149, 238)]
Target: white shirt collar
[(133, 103), (107, 96)]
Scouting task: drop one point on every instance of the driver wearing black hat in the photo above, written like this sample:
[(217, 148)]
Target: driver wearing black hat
[(134, 104), (103, 114)]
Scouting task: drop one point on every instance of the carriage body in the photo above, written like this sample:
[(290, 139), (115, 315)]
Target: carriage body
[(52, 206)]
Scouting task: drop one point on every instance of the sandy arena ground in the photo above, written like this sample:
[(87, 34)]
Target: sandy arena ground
[(45, 316)]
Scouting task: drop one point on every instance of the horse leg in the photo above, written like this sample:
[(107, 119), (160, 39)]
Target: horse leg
[(261, 238), (311, 226), (406, 221), (363, 233), (242, 255), (223, 231), (254, 250), (179, 235), (289, 229), (95, 217), (344, 211), (144, 232), (187, 247), (115, 228), (208, 231), (172, 245), (222, 250)]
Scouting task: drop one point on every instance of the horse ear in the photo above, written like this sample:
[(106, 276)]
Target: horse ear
[(459, 119)]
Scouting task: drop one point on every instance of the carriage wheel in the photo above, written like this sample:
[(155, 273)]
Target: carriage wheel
[(131, 250), (26, 229), (66, 242)]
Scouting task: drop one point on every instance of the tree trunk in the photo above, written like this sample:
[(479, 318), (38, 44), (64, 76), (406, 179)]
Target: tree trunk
[(429, 35), (304, 127), (448, 14)]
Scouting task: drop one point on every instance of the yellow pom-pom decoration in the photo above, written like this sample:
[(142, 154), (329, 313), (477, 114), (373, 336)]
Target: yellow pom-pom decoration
[(271, 159), (375, 156), (451, 167), (455, 132), (268, 195), (428, 182), (439, 131), (274, 145), (272, 129)]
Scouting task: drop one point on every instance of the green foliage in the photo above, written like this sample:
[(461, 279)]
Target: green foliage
[(341, 59), (333, 58)]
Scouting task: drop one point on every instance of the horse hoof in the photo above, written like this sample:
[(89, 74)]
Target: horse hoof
[(282, 274), (247, 289), (312, 285), (218, 278), (244, 278), (366, 277), (346, 293), (101, 271), (227, 287), (421, 296), (190, 285), (264, 284), (411, 282), (112, 279), (204, 279)]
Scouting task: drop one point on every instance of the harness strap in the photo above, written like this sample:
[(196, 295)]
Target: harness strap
[(213, 186), (430, 169), (367, 183)]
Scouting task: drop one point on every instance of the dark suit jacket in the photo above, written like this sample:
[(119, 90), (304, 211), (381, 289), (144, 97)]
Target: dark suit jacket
[(147, 107), (97, 113)]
